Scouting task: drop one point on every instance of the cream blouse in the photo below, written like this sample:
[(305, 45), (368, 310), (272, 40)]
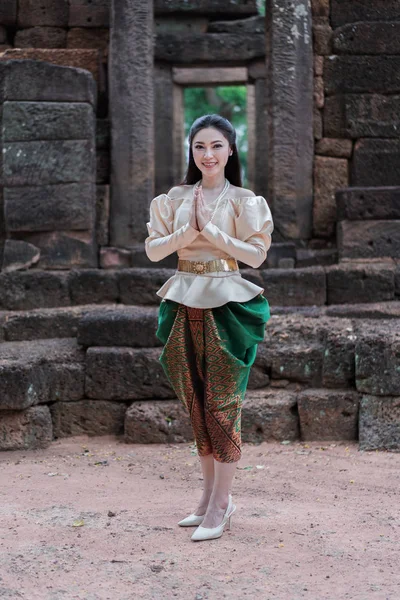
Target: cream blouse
[(239, 227)]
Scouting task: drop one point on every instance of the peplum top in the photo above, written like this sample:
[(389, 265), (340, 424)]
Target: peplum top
[(240, 226)]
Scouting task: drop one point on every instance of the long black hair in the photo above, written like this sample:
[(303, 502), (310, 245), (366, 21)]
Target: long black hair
[(232, 167)]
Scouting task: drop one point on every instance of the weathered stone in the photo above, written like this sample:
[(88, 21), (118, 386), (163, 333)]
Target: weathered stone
[(277, 251), (259, 377), (164, 128), (39, 81), (45, 13), (337, 148), (261, 182), (19, 255), (270, 415), (374, 310), (26, 430), (376, 162), (256, 69), (318, 65), (43, 323), (344, 11), (77, 58), (322, 39), (250, 25), (358, 204), (289, 59), (92, 286), (319, 92), (49, 207), (379, 423), (348, 283), (102, 214), (89, 13), (27, 121), (87, 417), (328, 415), (8, 12), (377, 360), (80, 37), (139, 286), (115, 258), (33, 289), (320, 8), (308, 257), (132, 146), (47, 162), (362, 115), (157, 422), (197, 48), (317, 124), (183, 24), (397, 279), (298, 363), (41, 37), (338, 370), (358, 74), (368, 239), (367, 38), (125, 374), (139, 258), (330, 174), (64, 249), (287, 287), (103, 134), (3, 32), (207, 7), (128, 326)]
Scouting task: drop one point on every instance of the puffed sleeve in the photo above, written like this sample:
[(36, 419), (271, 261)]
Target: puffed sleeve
[(254, 226), (162, 240)]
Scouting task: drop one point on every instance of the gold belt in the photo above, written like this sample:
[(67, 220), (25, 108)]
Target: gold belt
[(207, 266)]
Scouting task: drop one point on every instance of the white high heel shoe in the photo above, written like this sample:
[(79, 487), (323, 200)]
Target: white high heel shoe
[(211, 533), (191, 521)]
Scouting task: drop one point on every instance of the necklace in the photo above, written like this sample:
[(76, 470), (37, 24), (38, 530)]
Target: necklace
[(217, 200)]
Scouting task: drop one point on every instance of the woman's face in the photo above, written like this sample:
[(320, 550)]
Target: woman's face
[(211, 151)]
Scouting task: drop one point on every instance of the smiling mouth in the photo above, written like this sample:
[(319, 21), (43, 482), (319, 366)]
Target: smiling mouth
[(209, 164)]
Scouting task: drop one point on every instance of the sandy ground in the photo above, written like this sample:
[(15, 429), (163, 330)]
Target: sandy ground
[(95, 518)]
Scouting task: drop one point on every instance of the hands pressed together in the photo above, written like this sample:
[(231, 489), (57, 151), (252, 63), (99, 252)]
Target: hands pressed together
[(199, 216)]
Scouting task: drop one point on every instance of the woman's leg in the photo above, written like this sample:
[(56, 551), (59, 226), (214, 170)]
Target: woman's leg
[(207, 467), (224, 474)]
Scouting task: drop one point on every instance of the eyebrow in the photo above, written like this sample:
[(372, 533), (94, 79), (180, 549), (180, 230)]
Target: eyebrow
[(214, 142)]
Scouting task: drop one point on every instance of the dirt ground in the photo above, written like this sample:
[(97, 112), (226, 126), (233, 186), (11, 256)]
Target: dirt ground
[(95, 518)]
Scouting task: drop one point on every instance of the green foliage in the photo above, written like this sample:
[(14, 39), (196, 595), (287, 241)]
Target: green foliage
[(228, 101), (261, 6)]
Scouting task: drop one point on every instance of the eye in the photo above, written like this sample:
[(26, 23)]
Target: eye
[(218, 146)]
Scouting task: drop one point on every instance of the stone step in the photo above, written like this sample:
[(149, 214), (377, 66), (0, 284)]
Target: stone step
[(346, 282), (368, 203), (369, 239)]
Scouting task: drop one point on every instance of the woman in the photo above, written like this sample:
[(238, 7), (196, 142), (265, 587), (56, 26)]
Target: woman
[(210, 318)]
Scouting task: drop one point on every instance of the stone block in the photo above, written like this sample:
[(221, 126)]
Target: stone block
[(322, 39), (89, 13), (338, 369), (250, 25), (376, 162), (320, 8), (302, 364), (337, 148), (47, 162), (328, 415), (33, 289), (102, 214), (39, 81), (319, 92), (359, 74), (8, 12), (46, 13), (259, 377), (379, 423), (64, 249), (19, 255), (318, 65), (28, 429), (309, 257), (103, 134), (181, 23), (374, 310), (41, 37), (127, 326), (277, 251), (270, 415), (87, 417), (360, 204), (140, 259), (139, 286), (43, 324), (377, 361), (330, 174), (115, 258), (223, 47), (207, 7), (29, 121), (125, 374), (157, 422), (81, 37), (103, 167), (295, 287), (362, 115), (367, 38), (368, 239), (350, 283), (317, 124), (343, 11), (88, 286), (3, 33), (67, 206)]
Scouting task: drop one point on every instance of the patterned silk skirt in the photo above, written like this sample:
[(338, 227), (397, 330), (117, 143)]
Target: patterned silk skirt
[(207, 358)]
